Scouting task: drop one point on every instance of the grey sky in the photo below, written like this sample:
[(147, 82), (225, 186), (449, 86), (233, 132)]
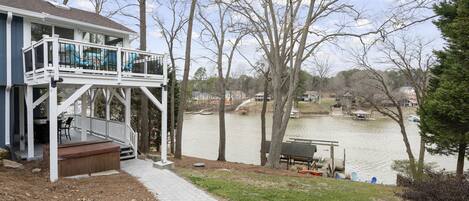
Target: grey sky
[(338, 59)]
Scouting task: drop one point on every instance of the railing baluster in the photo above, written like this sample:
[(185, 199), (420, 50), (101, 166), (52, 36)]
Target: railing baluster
[(119, 64), (45, 55), (33, 59)]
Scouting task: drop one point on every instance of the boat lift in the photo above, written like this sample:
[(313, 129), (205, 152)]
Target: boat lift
[(329, 143)]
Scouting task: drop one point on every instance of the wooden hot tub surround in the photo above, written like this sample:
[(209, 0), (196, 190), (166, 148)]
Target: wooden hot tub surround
[(86, 157)]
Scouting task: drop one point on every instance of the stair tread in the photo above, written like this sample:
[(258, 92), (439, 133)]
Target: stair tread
[(127, 157)]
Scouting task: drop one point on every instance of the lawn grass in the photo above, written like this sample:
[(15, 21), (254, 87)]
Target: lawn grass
[(247, 186)]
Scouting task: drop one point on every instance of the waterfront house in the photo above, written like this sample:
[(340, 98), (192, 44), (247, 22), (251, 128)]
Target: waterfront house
[(54, 61), (408, 97), (310, 96), (260, 97)]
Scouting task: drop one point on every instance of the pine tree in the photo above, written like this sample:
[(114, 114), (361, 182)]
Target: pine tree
[(445, 114)]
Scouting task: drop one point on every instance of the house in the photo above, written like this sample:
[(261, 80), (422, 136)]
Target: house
[(235, 95), (347, 101), (260, 97), (310, 96), (409, 98), (203, 96), (46, 48)]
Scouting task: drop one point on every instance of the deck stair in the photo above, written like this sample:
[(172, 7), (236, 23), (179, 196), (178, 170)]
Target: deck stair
[(127, 152)]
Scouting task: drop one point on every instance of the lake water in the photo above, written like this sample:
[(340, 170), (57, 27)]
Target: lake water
[(370, 146)]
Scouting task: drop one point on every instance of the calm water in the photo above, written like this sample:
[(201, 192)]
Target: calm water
[(370, 146)]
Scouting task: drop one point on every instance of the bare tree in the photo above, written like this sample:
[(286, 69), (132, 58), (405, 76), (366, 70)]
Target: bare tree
[(171, 30), (322, 69), (285, 32), (65, 2), (182, 101), (411, 59), (219, 29), (263, 68)]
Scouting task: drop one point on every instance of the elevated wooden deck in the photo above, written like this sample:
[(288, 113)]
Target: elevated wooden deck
[(76, 62)]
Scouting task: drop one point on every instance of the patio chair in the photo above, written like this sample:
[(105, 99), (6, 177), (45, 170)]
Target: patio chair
[(59, 130), (75, 60), (109, 60), (128, 66), (66, 127)]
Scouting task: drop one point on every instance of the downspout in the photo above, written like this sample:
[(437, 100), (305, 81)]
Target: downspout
[(8, 78)]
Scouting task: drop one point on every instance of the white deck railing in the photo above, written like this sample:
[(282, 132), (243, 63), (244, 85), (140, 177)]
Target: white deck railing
[(114, 130), (62, 56)]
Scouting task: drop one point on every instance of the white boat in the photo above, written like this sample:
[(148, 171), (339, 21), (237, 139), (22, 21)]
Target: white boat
[(361, 115), (294, 113), (203, 112), (413, 118)]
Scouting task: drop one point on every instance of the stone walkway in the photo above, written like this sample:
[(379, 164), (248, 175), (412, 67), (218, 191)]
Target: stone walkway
[(165, 184)]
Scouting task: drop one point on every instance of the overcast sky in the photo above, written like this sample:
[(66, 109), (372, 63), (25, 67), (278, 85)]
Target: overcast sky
[(338, 59)]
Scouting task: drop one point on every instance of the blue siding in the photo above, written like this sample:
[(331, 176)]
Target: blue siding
[(2, 116), (3, 21), (16, 52)]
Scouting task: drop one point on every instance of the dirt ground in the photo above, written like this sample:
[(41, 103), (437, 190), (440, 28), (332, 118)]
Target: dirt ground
[(187, 163), (17, 184)]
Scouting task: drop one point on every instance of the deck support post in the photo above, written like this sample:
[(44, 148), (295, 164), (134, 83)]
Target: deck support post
[(84, 106), (108, 97), (53, 149), (127, 112), (30, 121), (93, 94), (21, 118), (164, 134), (164, 127)]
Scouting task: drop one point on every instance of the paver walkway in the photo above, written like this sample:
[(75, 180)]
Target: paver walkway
[(165, 184)]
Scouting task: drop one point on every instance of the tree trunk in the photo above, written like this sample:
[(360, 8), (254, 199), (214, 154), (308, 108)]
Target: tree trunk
[(273, 159), (263, 131), (172, 105), (221, 121), (182, 101), (221, 103), (420, 163), (412, 165), (461, 157), (143, 99), (144, 146)]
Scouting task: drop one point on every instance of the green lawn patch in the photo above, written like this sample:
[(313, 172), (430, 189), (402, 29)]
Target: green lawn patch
[(243, 185)]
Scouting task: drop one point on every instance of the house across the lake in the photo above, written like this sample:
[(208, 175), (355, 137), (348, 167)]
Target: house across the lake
[(54, 62), (408, 97), (260, 97), (310, 96)]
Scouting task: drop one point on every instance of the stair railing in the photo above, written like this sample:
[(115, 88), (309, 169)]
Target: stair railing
[(133, 139)]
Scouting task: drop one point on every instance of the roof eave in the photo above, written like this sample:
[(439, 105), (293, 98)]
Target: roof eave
[(43, 15)]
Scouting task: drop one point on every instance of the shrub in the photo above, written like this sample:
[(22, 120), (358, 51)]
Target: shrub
[(437, 187)]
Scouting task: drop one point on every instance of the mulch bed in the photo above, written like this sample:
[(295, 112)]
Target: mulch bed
[(23, 184)]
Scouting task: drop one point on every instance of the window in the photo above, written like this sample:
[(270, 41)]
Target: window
[(37, 30), (102, 39), (93, 38), (64, 32), (114, 41)]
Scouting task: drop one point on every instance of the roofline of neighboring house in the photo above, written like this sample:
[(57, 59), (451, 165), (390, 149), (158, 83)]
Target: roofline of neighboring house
[(22, 12)]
